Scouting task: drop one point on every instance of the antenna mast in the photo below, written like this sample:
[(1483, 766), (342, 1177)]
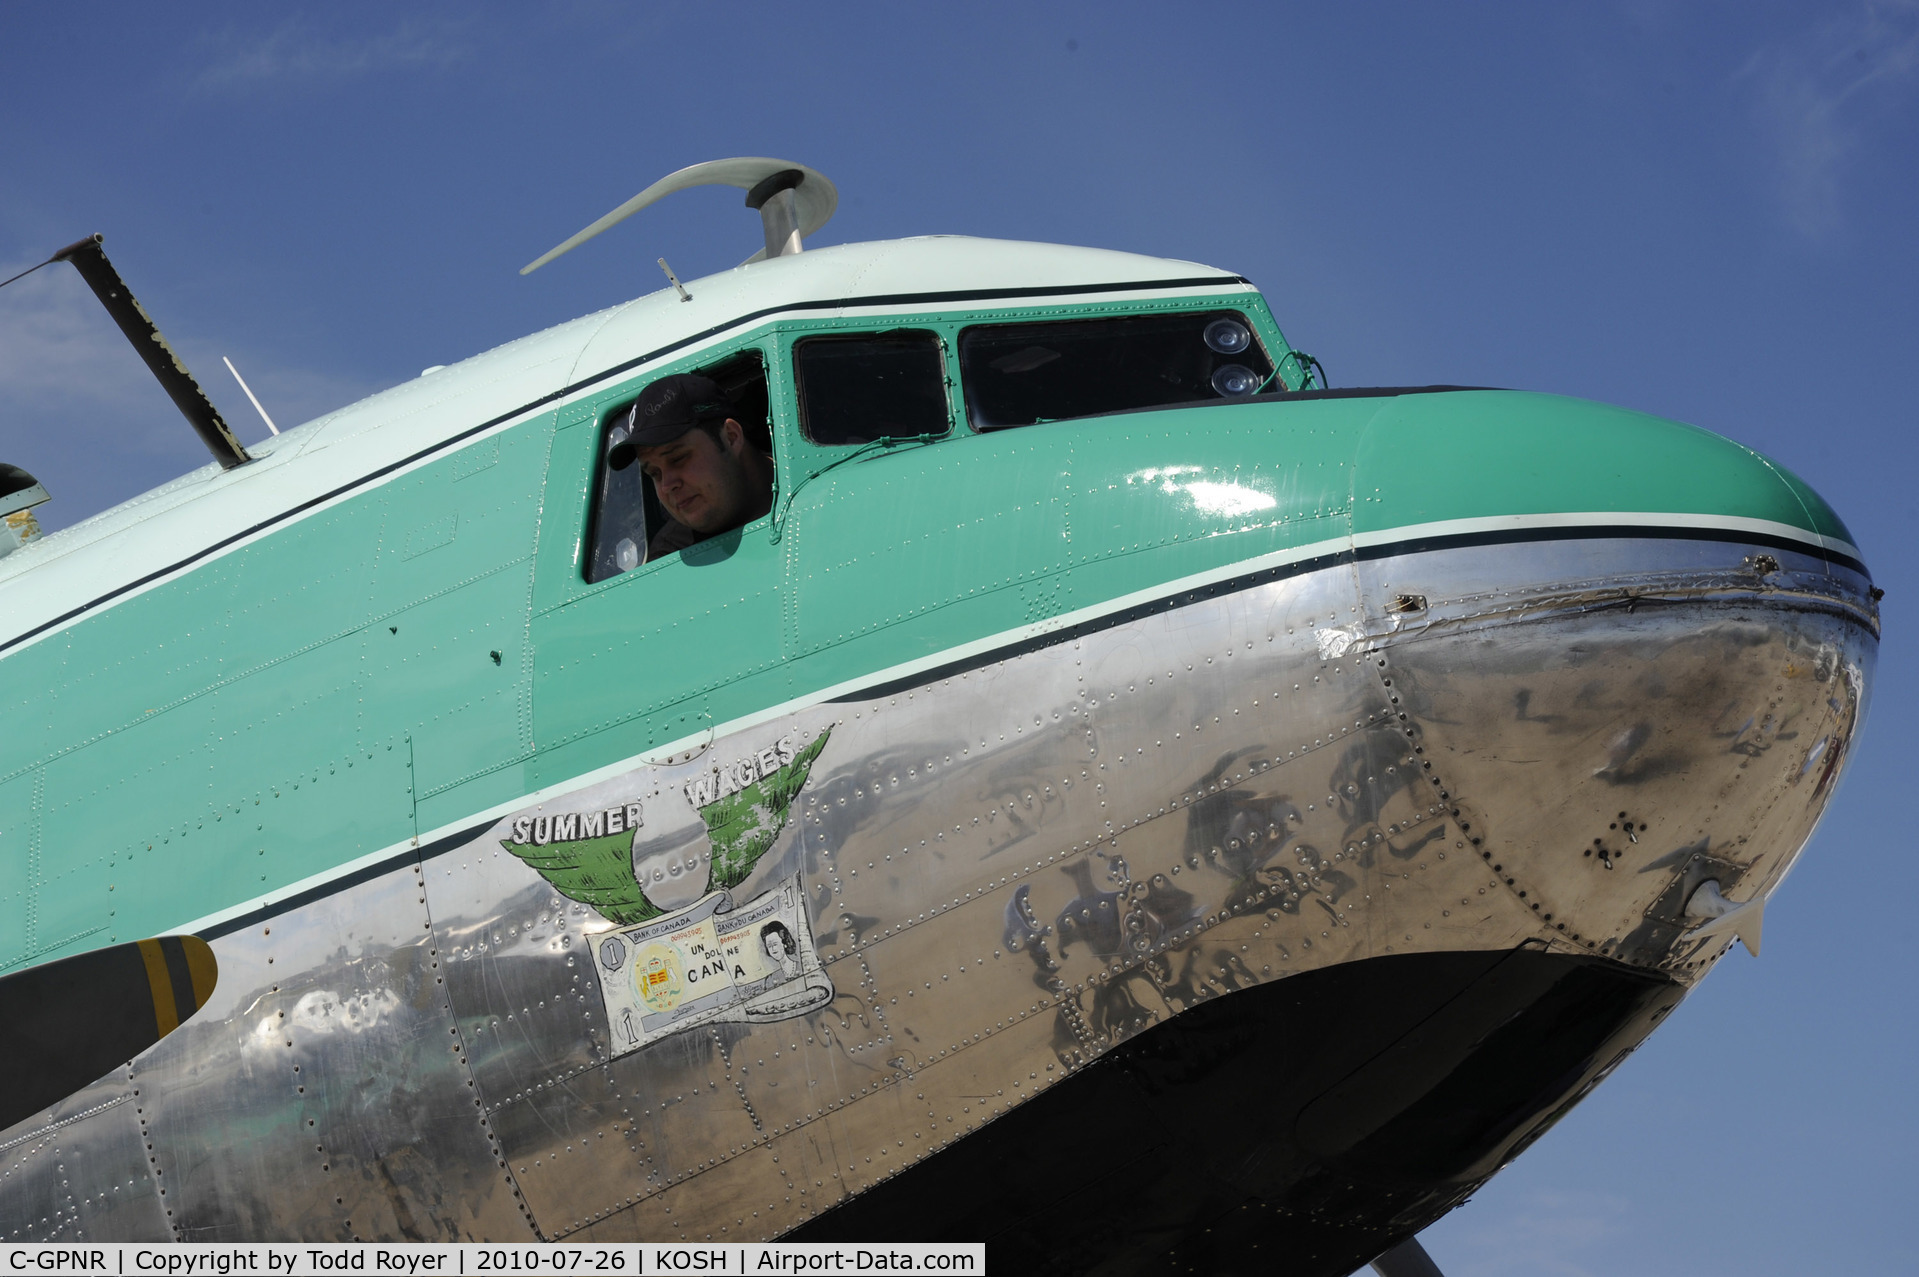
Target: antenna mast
[(91, 261)]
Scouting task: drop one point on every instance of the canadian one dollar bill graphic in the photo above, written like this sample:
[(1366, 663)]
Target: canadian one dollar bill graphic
[(710, 961)]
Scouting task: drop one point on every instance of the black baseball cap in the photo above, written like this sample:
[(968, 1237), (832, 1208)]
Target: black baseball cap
[(673, 405)]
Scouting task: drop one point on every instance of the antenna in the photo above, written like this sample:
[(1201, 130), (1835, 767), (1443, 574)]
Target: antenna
[(793, 201), (674, 280), (250, 395), (126, 311)]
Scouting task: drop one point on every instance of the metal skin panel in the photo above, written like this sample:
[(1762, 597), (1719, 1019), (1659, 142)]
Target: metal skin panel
[(1355, 869), (1009, 516), (1108, 831), (1011, 869), (521, 1030), (691, 1115), (20, 938), (322, 1093), (83, 1172), (592, 652), (463, 726), (222, 801), (177, 643), (574, 1148), (1726, 729)]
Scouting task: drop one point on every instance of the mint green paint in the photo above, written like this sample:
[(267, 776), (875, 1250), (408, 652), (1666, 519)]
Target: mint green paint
[(20, 865), (1816, 514), (329, 691), (1434, 457)]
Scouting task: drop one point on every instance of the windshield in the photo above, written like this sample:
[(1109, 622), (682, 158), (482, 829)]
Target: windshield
[(1020, 374)]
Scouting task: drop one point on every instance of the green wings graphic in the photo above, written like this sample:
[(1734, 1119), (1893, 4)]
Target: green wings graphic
[(593, 871), (741, 828)]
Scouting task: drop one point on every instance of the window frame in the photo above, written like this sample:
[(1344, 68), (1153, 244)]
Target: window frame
[(570, 492), (1248, 316), (949, 379), (607, 411)]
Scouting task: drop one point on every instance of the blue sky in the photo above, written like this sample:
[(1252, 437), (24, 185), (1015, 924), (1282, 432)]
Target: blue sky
[(1702, 210)]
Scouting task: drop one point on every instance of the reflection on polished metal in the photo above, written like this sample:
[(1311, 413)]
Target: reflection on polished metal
[(1009, 870)]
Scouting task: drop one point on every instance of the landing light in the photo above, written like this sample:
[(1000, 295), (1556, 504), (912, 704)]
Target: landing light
[(1227, 336), (1235, 380)]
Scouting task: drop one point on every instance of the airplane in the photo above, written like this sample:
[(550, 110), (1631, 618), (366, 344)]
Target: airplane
[(1124, 800)]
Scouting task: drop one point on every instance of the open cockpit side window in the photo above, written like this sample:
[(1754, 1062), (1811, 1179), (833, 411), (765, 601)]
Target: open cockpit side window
[(627, 512), (1023, 374), (858, 387)]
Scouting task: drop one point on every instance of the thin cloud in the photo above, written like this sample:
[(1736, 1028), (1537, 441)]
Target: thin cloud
[(80, 410), (57, 347), (1819, 93), (296, 53)]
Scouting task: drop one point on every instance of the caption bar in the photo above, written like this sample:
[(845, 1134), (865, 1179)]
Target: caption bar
[(407, 1259)]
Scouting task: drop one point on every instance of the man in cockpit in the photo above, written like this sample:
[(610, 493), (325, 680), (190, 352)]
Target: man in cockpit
[(707, 472)]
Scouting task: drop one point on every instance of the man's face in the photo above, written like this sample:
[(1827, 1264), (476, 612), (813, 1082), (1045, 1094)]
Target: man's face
[(701, 482)]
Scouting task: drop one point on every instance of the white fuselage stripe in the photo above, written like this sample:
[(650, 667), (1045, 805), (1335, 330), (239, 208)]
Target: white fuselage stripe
[(1602, 519)]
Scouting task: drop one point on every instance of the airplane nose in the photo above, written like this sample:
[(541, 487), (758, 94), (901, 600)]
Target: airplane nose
[(1627, 655), (1503, 461)]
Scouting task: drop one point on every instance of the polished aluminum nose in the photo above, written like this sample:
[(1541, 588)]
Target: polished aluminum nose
[(1630, 654)]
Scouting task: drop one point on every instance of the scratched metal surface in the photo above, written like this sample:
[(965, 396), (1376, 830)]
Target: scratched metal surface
[(1009, 870), (322, 1093), (84, 1172)]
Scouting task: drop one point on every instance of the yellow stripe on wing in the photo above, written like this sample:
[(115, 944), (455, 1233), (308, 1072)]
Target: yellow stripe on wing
[(166, 1016)]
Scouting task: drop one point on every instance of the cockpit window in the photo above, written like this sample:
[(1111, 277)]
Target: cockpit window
[(626, 511), (858, 388), (1021, 374)]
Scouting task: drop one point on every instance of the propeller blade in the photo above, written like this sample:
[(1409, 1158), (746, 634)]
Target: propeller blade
[(72, 1021), (816, 197), (1408, 1259)]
